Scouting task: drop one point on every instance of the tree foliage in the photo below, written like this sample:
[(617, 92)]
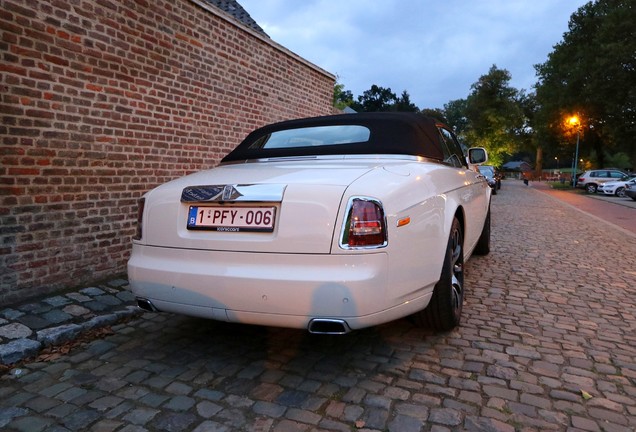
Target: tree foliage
[(592, 73), (341, 98), (375, 99), (491, 117)]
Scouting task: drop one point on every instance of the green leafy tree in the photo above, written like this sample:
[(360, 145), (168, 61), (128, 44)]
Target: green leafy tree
[(341, 98), (592, 73), (437, 114), (618, 160), (455, 115), (378, 99), (403, 103), (375, 99), (494, 115)]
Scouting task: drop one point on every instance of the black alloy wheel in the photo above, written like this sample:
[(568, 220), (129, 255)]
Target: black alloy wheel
[(445, 308)]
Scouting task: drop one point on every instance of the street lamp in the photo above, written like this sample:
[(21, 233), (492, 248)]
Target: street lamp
[(574, 121)]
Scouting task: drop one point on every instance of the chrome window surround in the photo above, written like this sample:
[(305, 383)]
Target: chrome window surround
[(337, 157)]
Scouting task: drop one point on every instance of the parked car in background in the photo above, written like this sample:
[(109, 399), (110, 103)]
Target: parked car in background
[(328, 224), (590, 180), (616, 187), (630, 190), (499, 175), (490, 174)]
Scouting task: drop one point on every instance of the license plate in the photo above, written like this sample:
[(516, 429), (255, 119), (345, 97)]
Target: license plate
[(232, 219)]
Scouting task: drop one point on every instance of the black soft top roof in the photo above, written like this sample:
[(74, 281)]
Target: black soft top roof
[(390, 133)]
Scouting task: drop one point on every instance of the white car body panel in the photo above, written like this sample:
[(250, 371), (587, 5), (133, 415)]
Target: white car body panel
[(610, 187), (297, 272), (372, 213)]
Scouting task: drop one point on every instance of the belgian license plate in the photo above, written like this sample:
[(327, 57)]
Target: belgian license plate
[(232, 219)]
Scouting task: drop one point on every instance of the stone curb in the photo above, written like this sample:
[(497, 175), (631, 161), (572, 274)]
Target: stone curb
[(28, 328)]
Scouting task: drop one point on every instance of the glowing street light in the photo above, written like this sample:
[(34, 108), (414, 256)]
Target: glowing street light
[(574, 121)]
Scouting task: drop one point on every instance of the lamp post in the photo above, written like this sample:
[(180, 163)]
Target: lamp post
[(574, 121)]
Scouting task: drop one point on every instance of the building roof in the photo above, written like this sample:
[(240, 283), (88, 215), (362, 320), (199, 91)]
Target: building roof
[(233, 8), (517, 166)]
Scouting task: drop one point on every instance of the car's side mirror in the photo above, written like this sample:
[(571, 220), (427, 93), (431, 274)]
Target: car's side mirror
[(477, 155)]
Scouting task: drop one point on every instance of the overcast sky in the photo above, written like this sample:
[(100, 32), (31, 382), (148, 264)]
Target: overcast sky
[(435, 50)]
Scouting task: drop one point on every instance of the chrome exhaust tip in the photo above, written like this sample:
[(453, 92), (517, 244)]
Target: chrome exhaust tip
[(146, 305), (327, 326)]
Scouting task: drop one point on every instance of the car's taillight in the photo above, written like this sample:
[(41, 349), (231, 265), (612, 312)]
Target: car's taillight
[(365, 225), (140, 216)]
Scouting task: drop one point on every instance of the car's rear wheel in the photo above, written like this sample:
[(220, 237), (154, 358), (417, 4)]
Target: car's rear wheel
[(445, 308), (483, 244), (620, 192), (590, 188)]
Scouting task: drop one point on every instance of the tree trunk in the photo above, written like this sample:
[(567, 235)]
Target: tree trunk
[(538, 168)]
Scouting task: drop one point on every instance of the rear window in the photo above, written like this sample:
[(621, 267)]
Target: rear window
[(313, 137)]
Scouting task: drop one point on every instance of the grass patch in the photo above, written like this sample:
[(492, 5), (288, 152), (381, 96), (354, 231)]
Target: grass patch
[(559, 185), (562, 186)]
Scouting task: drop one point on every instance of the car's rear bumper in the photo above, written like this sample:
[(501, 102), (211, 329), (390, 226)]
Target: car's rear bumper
[(286, 290)]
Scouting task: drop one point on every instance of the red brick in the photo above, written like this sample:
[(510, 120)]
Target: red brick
[(96, 115)]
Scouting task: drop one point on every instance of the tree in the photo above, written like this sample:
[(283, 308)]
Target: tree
[(592, 73), (375, 99), (341, 98), (437, 114), (494, 117), (403, 103), (383, 99), (455, 115)]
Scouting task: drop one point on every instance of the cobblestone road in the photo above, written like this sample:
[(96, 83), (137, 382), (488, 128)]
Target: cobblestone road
[(547, 342)]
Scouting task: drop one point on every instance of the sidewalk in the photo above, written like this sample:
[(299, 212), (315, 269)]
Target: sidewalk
[(28, 328), (618, 212)]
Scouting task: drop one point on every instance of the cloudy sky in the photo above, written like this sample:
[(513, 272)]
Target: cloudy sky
[(435, 50)]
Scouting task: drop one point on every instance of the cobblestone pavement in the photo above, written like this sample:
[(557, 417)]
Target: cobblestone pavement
[(547, 342), (27, 329)]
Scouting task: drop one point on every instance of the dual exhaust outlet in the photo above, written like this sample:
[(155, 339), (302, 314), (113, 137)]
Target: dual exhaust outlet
[(324, 326)]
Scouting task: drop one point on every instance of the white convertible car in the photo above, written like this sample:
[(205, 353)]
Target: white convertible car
[(328, 224)]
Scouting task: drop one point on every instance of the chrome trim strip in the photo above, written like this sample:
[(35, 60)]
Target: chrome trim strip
[(336, 157), (234, 193)]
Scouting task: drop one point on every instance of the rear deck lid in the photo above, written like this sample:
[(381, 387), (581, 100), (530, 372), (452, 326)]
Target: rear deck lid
[(278, 207)]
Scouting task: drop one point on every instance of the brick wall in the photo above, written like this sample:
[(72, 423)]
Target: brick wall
[(102, 100)]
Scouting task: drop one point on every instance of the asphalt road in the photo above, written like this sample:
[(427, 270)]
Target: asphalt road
[(547, 342)]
